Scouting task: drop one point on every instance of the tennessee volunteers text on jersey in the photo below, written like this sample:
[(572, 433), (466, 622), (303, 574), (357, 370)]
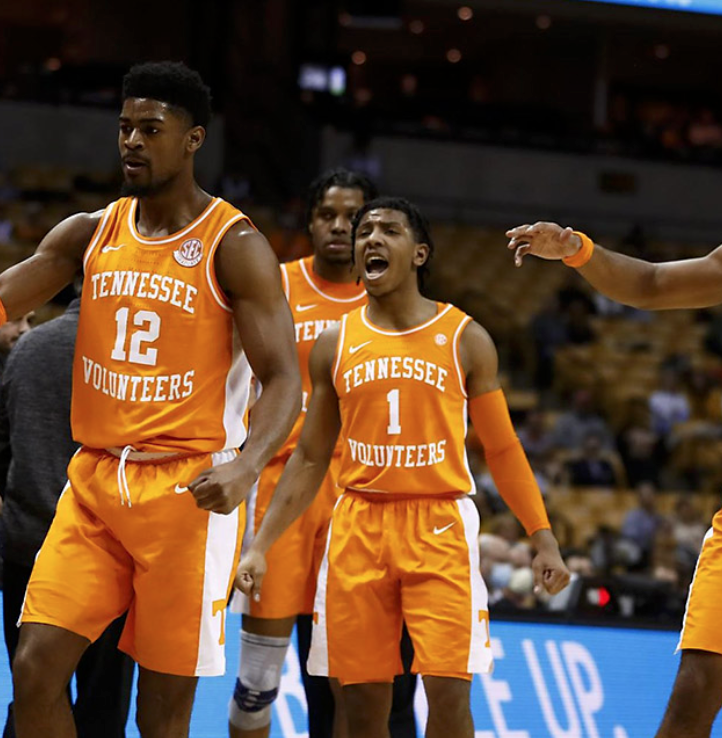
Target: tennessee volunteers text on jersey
[(156, 364), (403, 406)]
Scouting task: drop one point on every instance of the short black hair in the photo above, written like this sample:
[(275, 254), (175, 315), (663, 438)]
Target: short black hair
[(338, 177), (173, 83), (418, 223)]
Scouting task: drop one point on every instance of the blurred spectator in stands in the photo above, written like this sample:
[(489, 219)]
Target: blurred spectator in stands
[(703, 396), (595, 466), (10, 332), (579, 327), (579, 562), (494, 563), (518, 594), (642, 522), (640, 446), (664, 560), (573, 426), (668, 403), (575, 290), (535, 437), (548, 332), (611, 553), (704, 130), (688, 529), (506, 526), (6, 226)]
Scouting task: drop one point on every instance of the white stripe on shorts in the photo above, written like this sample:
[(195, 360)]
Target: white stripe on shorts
[(707, 536), (317, 664), (480, 657), (239, 601), (220, 551)]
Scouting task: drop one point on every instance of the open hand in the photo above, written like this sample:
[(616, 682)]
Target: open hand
[(545, 240)]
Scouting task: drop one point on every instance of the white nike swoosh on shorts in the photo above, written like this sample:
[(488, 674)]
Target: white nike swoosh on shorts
[(439, 531)]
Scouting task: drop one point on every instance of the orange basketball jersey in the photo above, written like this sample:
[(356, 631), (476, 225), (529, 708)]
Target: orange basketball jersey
[(156, 366), (316, 304), (403, 401)]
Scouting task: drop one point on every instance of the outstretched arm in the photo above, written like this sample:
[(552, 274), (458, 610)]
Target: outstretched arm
[(248, 272), (505, 456), (306, 468), (58, 258), (690, 283)]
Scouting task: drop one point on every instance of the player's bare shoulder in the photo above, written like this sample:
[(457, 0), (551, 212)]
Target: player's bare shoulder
[(479, 358), (245, 261), (71, 236)]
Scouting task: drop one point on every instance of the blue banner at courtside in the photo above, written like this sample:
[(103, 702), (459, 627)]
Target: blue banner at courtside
[(549, 681)]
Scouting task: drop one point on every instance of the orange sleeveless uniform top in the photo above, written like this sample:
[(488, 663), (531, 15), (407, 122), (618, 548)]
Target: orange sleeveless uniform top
[(403, 406), (316, 304), (158, 364)]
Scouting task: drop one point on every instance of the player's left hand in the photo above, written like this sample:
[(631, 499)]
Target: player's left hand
[(550, 572), (221, 489)]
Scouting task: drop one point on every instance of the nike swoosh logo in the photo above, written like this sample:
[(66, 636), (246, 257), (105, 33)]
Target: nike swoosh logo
[(439, 531), (354, 349), (180, 490), (303, 308), (105, 249)]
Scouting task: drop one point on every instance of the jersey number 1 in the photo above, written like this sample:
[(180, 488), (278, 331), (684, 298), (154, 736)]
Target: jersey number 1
[(394, 426), (146, 320)]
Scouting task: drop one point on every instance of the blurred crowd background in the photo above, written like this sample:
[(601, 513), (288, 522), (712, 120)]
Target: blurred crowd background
[(487, 114)]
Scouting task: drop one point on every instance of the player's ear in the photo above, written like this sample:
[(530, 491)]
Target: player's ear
[(196, 137), (421, 254)]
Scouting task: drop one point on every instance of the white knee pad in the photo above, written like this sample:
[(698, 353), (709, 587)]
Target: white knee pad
[(259, 676)]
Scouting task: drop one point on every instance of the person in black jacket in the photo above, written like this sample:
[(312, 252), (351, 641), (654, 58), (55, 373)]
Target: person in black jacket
[(35, 428)]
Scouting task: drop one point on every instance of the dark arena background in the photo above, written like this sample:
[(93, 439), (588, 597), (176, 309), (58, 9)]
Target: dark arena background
[(602, 115)]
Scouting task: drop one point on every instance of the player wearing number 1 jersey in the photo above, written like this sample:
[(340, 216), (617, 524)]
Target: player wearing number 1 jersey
[(180, 295), (395, 381)]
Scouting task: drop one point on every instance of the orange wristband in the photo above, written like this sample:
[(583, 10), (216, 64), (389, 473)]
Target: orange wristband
[(3, 314), (583, 255)]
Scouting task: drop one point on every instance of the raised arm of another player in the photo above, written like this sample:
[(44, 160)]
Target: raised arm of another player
[(691, 283), (247, 270), (58, 258), (306, 468), (505, 456)]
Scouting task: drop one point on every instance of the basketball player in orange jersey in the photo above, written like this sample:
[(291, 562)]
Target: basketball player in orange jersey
[(691, 283), (180, 297), (395, 380), (320, 289)]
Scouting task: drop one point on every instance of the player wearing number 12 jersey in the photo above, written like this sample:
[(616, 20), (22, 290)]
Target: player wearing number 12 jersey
[(395, 381), (179, 296)]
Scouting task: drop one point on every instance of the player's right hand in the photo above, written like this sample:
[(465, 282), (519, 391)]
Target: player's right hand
[(250, 573), (545, 240)]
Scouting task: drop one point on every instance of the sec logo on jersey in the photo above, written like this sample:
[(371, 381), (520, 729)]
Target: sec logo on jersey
[(189, 253)]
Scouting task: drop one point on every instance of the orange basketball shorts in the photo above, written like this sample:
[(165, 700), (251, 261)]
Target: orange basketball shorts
[(390, 559), (165, 561), (703, 614), (294, 559)]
